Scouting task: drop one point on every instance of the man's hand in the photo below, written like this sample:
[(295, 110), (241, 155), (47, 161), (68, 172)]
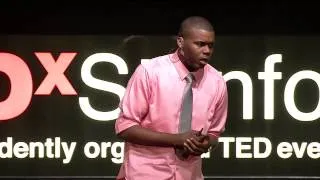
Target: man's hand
[(198, 145), (181, 151), (182, 138)]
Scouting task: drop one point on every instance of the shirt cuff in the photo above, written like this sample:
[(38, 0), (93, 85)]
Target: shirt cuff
[(123, 123)]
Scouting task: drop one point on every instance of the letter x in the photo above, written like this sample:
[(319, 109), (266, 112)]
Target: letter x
[(55, 75)]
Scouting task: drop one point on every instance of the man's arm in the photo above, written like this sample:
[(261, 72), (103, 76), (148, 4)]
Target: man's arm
[(134, 107), (213, 142), (143, 136)]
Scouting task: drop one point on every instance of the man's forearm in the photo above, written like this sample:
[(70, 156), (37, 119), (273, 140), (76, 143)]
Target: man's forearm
[(213, 142), (143, 136)]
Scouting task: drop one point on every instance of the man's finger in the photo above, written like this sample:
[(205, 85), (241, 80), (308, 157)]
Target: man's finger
[(191, 150), (193, 145), (202, 137), (186, 145), (201, 147)]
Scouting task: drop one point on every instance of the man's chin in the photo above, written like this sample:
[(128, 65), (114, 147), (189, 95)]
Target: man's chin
[(197, 67), (202, 65)]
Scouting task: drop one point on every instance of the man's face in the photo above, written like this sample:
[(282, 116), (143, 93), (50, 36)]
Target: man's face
[(196, 47)]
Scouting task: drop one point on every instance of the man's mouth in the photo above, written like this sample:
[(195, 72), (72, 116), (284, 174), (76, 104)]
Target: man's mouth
[(204, 61)]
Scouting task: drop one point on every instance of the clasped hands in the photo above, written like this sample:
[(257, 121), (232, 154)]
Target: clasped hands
[(194, 143)]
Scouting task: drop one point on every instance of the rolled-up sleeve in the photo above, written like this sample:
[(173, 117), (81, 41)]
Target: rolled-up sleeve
[(134, 104), (220, 109)]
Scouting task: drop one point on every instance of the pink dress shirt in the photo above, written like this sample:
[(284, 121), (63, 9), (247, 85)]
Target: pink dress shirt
[(153, 100)]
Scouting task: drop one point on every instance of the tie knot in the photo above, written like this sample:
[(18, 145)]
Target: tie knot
[(190, 78)]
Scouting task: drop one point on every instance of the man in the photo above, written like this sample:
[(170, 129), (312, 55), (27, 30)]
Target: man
[(159, 100)]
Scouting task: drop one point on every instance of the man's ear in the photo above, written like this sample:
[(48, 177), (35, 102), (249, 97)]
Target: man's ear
[(180, 42)]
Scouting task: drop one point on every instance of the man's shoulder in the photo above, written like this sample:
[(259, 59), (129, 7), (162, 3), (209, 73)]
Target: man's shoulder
[(156, 62)]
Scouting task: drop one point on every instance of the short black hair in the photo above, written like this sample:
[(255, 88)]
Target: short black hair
[(194, 22)]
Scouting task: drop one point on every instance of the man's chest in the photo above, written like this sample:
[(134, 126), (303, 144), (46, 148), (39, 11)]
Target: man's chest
[(166, 103)]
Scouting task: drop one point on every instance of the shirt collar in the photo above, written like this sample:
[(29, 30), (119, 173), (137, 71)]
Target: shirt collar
[(183, 71)]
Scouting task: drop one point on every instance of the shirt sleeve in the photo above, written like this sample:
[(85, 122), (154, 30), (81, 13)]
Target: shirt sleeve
[(134, 104), (218, 121)]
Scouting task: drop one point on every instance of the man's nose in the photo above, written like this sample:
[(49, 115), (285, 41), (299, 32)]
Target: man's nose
[(206, 50)]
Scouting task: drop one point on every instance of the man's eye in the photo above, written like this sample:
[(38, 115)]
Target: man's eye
[(200, 44)]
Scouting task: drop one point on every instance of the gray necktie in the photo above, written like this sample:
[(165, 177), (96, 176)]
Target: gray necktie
[(186, 110), (186, 114)]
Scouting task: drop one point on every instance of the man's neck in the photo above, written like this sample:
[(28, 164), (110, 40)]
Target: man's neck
[(184, 62)]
